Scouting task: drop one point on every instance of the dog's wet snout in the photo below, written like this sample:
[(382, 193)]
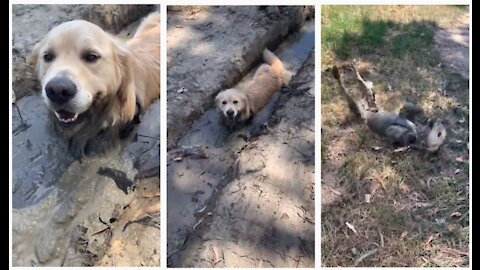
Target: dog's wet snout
[(60, 90), (230, 113)]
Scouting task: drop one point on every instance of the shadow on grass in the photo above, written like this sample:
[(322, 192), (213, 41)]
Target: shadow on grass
[(390, 38)]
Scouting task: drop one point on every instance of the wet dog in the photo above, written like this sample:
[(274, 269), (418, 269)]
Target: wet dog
[(398, 128), (95, 84), (238, 105)]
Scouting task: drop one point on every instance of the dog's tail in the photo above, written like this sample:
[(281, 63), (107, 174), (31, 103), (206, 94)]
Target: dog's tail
[(275, 63)]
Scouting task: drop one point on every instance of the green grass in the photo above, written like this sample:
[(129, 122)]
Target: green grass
[(419, 208), (350, 30)]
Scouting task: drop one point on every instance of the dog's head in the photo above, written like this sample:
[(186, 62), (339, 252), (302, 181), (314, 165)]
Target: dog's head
[(82, 69), (233, 105)]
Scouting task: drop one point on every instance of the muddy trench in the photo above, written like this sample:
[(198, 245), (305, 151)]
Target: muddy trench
[(211, 175), (104, 210)]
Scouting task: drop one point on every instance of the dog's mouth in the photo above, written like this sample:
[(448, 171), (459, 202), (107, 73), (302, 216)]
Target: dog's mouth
[(68, 119), (231, 117), (65, 116)]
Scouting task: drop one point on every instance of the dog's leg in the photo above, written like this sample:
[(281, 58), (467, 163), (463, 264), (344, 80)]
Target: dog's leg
[(77, 147), (262, 116), (129, 127)]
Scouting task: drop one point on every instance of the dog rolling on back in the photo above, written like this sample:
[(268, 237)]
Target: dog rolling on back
[(240, 104), (398, 130)]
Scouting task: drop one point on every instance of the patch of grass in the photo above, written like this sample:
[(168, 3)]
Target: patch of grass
[(418, 203), (391, 220), (329, 88), (356, 166), (348, 26), (414, 38), (351, 30)]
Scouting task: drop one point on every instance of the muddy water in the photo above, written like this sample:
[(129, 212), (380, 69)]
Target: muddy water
[(34, 150), (194, 181), (54, 196)]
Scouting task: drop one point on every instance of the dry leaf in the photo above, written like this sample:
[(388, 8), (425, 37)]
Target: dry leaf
[(429, 240), (401, 149), (364, 256), (351, 227), (368, 198), (455, 214), (336, 192), (217, 254)]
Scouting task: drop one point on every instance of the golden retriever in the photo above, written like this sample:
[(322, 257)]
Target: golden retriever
[(93, 82), (240, 104)]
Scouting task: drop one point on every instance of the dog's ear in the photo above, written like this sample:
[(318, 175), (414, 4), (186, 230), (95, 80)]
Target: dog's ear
[(126, 91), (32, 57), (217, 100)]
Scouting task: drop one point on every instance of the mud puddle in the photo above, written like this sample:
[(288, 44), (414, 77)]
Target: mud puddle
[(198, 167), (58, 201), (65, 212)]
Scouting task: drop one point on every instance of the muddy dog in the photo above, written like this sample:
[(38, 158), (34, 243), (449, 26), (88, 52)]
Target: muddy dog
[(257, 98), (96, 85), (398, 128)]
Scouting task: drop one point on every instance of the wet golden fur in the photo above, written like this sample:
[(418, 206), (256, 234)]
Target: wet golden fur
[(126, 74), (252, 97)]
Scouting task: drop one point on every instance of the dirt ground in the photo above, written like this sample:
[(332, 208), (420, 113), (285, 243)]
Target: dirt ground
[(386, 208), (232, 203), (65, 213), (263, 216), (453, 45)]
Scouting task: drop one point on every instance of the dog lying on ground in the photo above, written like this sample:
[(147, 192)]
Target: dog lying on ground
[(95, 84), (399, 129), (239, 105)]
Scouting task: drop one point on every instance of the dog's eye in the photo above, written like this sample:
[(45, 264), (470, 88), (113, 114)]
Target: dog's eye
[(235, 101), (48, 57), (224, 102), (91, 57)]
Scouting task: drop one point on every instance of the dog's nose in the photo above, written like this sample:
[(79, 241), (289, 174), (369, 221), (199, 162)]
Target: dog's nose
[(60, 90), (230, 112)]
